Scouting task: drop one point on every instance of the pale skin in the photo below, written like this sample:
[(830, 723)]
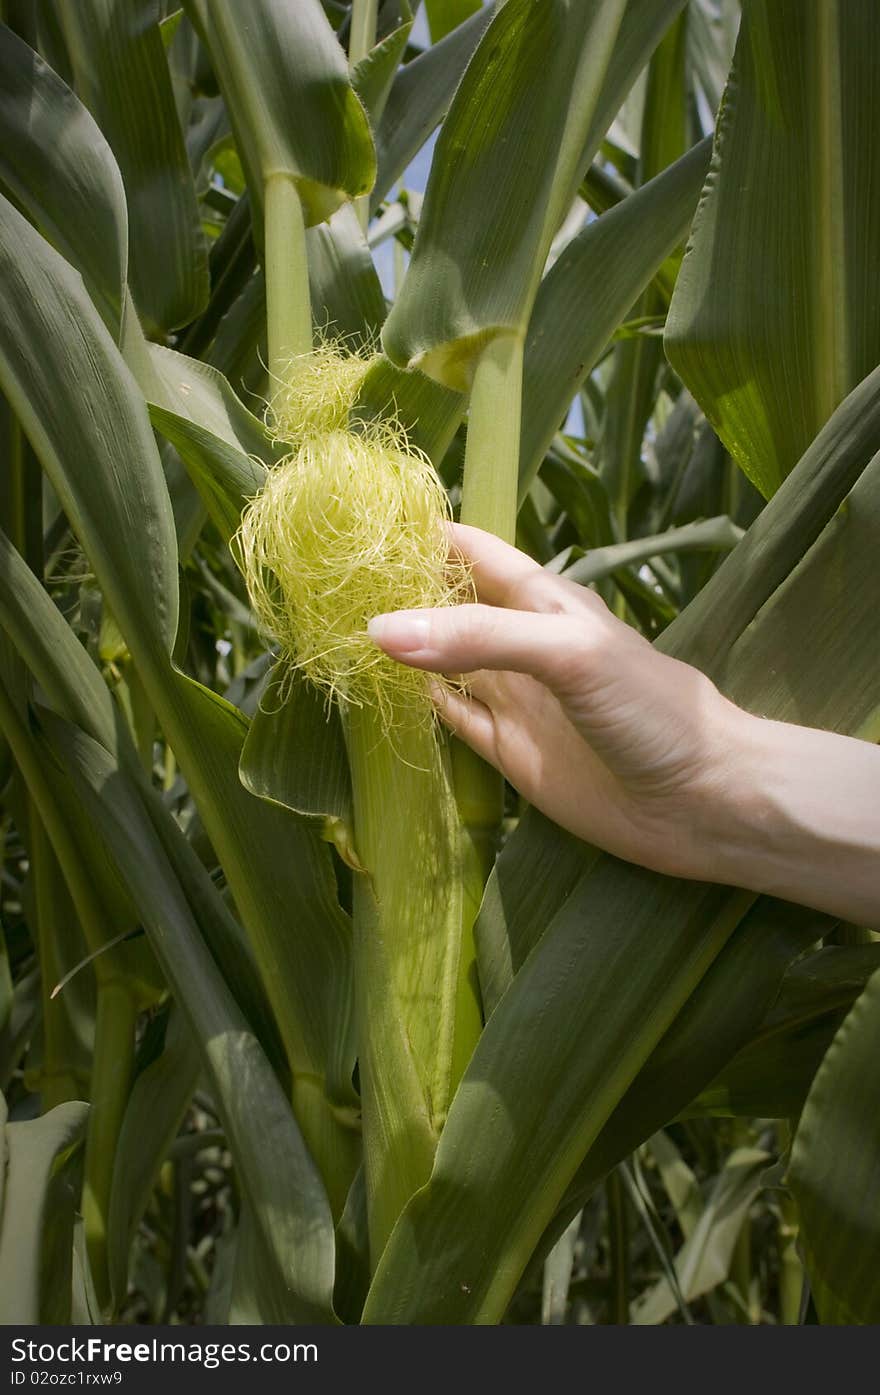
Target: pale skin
[(639, 753)]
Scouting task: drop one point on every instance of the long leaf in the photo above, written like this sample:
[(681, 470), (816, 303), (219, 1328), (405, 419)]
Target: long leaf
[(630, 396), (36, 1215), (71, 684), (588, 291), (374, 75), (56, 162), (836, 1187), (122, 75), (224, 447), (705, 1258), (770, 1075), (725, 1008), (157, 1103), (446, 15), (419, 98), (290, 99), (491, 207), (791, 212), (282, 1183)]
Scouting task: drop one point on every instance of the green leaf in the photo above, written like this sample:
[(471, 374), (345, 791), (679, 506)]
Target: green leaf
[(295, 750), (791, 212), (276, 1171), (533, 1098), (373, 77), (57, 164), (18, 1030), (221, 443), (287, 87), (347, 298), (711, 534), (631, 394), (36, 1215), (429, 412), (155, 1108), (122, 76), (122, 513), (704, 1260), (590, 289), (836, 1187), (770, 1075), (101, 903), (50, 649), (418, 101), (446, 15), (726, 1007), (353, 1253), (506, 167)]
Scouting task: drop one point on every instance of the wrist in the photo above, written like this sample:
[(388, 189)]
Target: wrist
[(745, 821), (795, 816)]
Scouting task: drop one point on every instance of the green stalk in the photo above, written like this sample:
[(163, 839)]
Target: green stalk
[(618, 1251), (408, 908), (112, 1070), (288, 302), (489, 500), (741, 1263), (58, 1077), (491, 462), (791, 1271)]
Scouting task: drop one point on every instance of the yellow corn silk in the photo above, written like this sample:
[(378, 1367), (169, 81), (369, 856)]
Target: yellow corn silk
[(350, 524)]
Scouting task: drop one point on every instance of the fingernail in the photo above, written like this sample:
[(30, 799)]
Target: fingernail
[(404, 631)]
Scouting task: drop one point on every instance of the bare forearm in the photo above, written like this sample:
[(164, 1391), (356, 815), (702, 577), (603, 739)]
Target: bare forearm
[(802, 818)]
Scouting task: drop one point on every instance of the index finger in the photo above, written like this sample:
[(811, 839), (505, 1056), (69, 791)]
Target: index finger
[(504, 576)]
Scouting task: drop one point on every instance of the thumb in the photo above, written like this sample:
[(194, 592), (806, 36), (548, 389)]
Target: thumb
[(463, 638)]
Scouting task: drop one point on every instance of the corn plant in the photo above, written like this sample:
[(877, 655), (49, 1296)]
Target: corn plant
[(281, 960)]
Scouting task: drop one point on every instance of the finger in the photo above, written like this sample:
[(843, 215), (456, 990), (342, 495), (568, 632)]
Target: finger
[(459, 639), (504, 576), (468, 719), (497, 568)]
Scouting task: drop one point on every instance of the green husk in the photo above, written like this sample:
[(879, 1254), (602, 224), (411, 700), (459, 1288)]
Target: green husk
[(351, 524)]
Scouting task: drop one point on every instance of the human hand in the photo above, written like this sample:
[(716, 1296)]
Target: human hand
[(622, 745)]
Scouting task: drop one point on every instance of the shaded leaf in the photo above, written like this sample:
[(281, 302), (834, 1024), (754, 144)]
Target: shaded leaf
[(771, 347), (36, 1215), (505, 169), (56, 162), (122, 76), (155, 1108), (280, 1178), (589, 290), (837, 1187), (705, 1258), (295, 754), (287, 88)]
